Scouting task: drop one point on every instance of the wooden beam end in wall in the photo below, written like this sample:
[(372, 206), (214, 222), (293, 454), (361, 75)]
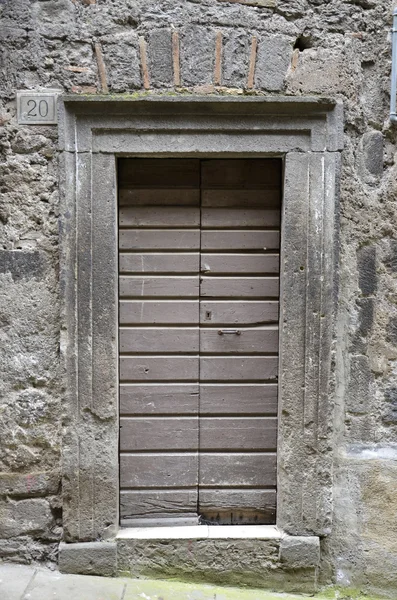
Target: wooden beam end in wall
[(144, 63)]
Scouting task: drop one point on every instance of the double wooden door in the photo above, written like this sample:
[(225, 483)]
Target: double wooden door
[(198, 339)]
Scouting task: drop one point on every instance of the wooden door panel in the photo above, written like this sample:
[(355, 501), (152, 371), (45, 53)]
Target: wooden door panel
[(239, 240), (159, 216), (232, 399), (158, 470), (240, 287), (157, 433), (233, 368), (158, 504), (152, 312), (227, 469), (239, 217), (238, 312), (159, 239), (232, 433), (165, 286), (225, 506), (178, 340), (159, 263), (159, 368), (247, 341), (164, 398), (240, 264)]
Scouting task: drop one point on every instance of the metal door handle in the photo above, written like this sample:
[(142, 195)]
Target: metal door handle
[(229, 331)]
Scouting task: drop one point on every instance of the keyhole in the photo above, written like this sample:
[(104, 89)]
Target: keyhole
[(208, 314)]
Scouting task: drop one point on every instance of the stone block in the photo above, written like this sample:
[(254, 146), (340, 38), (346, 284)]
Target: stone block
[(88, 558), (31, 484), (22, 263), (160, 57), (30, 516), (358, 393), (367, 276), (300, 552), (274, 56), (197, 55), (371, 156)]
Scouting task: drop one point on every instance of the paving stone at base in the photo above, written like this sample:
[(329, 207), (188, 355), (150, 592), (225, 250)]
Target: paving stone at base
[(14, 579), (170, 590), (227, 562), (55, 586)]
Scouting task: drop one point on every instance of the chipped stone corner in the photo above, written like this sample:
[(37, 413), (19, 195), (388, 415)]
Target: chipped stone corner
[(88, 558), (300, 552)]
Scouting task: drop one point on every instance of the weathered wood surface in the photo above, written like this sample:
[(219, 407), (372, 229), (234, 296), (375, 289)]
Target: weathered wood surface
[(159, 239), (238, 313), (240, 173), (151, 312), (249, 340), (159, 368), (240, 287), (159, 340), (153, 503), (157, 470), (235, 217), (159, 433), (159, 216), (159, 263), (233, 368), (159, 172), (166, 286), (199, 409), (227, 469), (226, 398), (159, 197), (232, 433), (241, 264), (164, 398), (241, 198), (239, 240)]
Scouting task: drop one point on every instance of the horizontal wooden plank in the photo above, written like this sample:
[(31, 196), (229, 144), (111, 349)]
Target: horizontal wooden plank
[(241, 313), (159, 399), (249, 340), (240, 172), (159, 368), (159, 433), (240, 240), (237, 470), (235, 399), (168, 286), (237, 507), (158, 470), (261, 198), (160, 172), (159, 239), (235, 217), (225, 499), (239, 263), (232, 433), (175, 340), (240, 287), (159, 263), (159, 216), (159, 197), (157, 503), (148, 312), (233, 368)]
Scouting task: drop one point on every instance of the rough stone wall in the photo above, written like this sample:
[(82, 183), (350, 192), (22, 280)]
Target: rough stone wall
[(338, 48)]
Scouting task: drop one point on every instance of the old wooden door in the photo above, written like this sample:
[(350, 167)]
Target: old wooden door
[(199, 286)]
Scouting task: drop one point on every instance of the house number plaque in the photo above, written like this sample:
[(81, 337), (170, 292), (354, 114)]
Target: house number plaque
[(37, 108)]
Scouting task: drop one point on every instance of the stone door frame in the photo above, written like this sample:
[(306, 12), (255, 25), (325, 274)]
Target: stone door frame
[(308, 134)]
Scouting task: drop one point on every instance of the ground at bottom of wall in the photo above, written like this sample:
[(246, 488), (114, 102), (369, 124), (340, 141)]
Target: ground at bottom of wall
[(19, 582)]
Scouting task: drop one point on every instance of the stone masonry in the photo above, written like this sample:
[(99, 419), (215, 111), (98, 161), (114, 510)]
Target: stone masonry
[(335, 48)]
